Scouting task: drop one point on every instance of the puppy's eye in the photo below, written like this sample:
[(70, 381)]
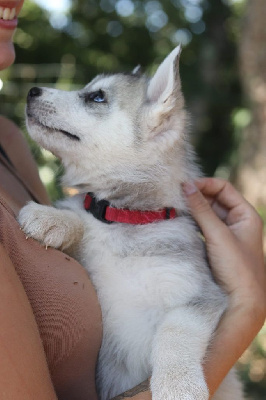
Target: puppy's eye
[(96, 97)]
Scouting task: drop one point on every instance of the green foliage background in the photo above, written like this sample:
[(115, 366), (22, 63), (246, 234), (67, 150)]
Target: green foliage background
[(66, 50)]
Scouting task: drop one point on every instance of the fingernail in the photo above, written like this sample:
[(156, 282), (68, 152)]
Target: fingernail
[(189, 188)]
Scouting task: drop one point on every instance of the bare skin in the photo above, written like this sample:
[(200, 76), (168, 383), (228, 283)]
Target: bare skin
[(139, 392), (23, 369), (7, 52), (16, 148)]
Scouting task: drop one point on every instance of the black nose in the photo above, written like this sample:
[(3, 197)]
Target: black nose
[(34, 92)]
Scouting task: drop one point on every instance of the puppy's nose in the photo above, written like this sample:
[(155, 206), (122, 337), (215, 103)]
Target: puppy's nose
[(34, 92)]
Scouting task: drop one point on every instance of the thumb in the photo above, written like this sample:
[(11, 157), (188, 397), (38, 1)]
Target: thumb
[(211, 226)]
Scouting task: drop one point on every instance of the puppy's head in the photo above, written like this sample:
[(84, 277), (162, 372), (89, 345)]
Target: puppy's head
[(119, 130)]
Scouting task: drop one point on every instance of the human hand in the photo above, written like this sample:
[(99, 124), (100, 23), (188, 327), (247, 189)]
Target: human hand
[(233, 233)]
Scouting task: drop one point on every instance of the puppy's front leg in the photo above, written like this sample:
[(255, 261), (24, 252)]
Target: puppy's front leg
[(52, 227), (178, 350)]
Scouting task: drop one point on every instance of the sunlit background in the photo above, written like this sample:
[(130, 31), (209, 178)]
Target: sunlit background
[(65, 43)]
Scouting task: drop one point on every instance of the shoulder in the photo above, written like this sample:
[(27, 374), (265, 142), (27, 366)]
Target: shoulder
[(16, 147), (8, 128), (10, 135)]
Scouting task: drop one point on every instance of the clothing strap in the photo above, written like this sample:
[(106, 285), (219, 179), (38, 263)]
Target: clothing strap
[(4, 159)]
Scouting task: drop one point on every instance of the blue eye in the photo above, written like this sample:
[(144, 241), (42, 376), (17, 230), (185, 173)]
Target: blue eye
[(97, 97)]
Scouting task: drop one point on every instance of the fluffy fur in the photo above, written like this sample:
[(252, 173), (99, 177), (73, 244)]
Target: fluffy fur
[(124, 137)]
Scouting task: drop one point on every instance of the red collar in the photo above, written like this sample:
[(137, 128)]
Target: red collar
[(104, 212)]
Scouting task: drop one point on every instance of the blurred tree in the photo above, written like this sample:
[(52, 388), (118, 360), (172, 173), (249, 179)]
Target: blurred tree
[(251, 171)]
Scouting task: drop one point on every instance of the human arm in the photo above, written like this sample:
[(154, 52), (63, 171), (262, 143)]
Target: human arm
[(23, 369), (233, 234), (16, 148)]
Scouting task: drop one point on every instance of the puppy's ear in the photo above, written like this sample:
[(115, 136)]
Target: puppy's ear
[(137, 71), (164, 96), (166, 82)]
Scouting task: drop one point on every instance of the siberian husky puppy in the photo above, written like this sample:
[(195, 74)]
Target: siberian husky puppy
[(123, 138)]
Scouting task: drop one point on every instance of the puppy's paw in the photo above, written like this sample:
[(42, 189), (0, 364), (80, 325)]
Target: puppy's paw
[(174, 388), (50, 226)]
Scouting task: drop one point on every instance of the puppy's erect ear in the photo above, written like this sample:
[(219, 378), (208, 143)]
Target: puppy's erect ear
[(164, 96), (166, 80), (137, 71)]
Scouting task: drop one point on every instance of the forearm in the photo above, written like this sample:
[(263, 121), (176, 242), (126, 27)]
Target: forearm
[(235, 332), (140, 392)]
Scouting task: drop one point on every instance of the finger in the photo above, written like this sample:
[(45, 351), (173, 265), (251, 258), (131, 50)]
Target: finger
[(236, 208), (203, 214), (220, 211), (222, 191)]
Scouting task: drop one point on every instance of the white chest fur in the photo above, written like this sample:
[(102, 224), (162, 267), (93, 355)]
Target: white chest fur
[(142, 274)]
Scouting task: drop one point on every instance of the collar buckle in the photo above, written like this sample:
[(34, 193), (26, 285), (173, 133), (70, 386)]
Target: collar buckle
[(98, 208)]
